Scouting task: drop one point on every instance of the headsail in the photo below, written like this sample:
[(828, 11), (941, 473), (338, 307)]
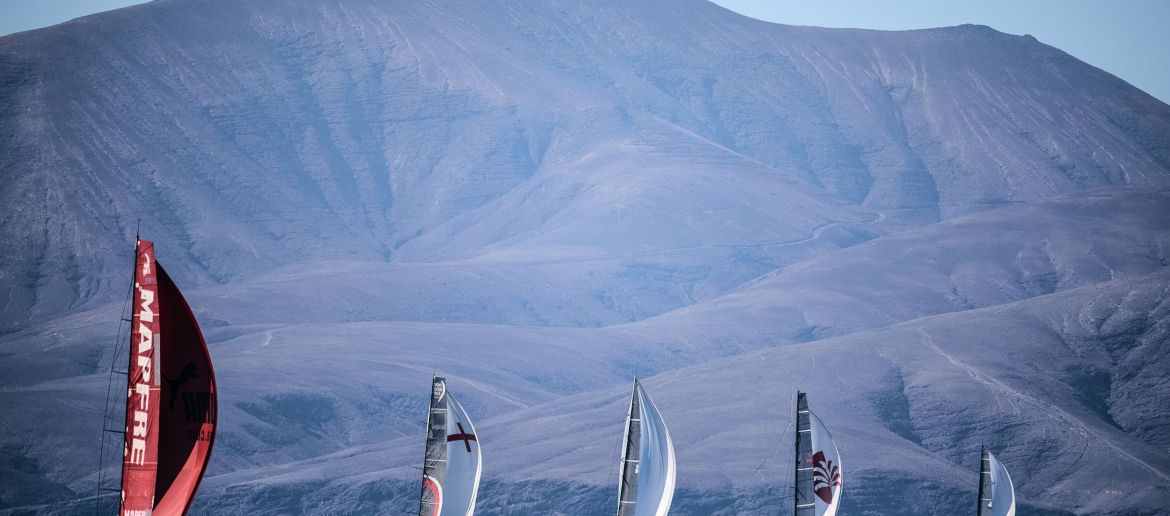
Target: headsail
[(997, 495), (453, 462), (646, 482), (818, 465), (171, 400)]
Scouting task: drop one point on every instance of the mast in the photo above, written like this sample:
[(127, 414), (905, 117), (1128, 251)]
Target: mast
[(984, 507), (435, 457), (803, 502), (631, 450), (140, 453)]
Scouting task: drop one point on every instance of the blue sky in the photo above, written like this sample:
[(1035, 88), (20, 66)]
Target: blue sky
[(1128, 38)]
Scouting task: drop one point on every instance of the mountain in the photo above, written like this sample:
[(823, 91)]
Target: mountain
[(250, 135), (965, 231), (903, 421)]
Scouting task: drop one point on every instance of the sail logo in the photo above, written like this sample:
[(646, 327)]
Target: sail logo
[(189, 373), (826, 477), (143, 375), (462, 436)]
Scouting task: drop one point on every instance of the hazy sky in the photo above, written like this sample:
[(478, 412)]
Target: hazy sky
[(1128, 38)]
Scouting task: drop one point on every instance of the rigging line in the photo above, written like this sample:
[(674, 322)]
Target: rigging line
[(614, 461), (118, 339), (776, 448), (788, 471)]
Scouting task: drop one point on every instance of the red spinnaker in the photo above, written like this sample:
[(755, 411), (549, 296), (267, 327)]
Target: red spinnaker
[(171, 403)]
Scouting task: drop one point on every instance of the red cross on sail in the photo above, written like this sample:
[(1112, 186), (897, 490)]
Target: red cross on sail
[(451, 468), (462, 436)]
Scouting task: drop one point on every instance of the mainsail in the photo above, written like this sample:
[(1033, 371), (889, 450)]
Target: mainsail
[(646, 484), (452, 465), (818, 465), (171, 399), (997, 496)]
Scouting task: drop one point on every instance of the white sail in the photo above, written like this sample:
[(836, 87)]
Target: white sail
[(452, 464), (826, 464), (998, 496), (818, 465), (463, 462), (647, 473)]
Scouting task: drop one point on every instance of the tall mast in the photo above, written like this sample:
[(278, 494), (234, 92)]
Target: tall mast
[(803, 502), (130, 350), (435, 456), (106, 408), (984, 483), (631, 454)]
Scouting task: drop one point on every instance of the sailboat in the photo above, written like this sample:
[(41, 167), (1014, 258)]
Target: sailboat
[(997, 496), (453, 462), (818, 465), (171, 397), (646, 482)]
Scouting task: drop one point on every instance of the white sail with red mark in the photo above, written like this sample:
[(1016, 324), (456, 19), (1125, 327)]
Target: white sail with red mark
[(453, 462), (818, 465)]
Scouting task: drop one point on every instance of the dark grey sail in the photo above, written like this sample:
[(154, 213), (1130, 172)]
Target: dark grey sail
[(805, 505), (435, 461), (631, 453)]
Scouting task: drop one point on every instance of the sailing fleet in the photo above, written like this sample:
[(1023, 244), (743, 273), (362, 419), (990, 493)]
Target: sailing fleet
[(171, 424)]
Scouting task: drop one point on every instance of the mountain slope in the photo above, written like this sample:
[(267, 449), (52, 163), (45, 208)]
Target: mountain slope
[(929, 392), (306, 379), (248, 135)]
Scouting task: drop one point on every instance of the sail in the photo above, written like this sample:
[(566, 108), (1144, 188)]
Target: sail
[(453, 461), (463, 462), (818, 465), (171, 403), (997, 495), (647, 473)]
